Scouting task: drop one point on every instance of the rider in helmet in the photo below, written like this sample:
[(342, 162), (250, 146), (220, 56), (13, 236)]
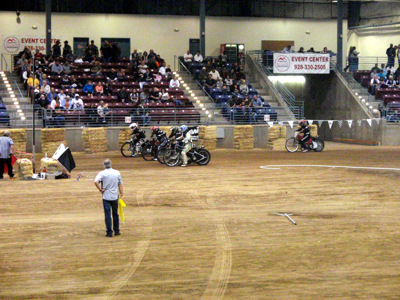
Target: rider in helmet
[(186, 138), (306, 134), (175, 132), (160, 136), (138, 134)]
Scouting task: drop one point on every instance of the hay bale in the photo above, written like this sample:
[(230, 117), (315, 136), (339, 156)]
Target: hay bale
[(94, 140), (313, 129), (51, 165), (208, 137), (243, 138), (123, 136), (23, 168), (276, 137), (19, 138), (52, 138)]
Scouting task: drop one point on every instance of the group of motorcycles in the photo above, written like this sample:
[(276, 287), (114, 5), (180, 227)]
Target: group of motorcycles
[(170, 154)]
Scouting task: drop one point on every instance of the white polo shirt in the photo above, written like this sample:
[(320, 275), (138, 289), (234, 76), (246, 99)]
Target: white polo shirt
[(110, 180)]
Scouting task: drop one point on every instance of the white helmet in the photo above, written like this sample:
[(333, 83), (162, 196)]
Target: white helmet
[(133, 126)]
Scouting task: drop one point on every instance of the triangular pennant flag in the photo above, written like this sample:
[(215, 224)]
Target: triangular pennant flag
[(330, 122), (320, 122), (67, 160), (280, 123), (60, 150), (310, 122), (291, 124), (270, 124), (359, 122), (378, 121), (369, 122), (340, 123), (350, 122)]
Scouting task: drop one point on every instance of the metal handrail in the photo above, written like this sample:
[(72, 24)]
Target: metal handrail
[(5, 61), (279, 88), (26, 105)]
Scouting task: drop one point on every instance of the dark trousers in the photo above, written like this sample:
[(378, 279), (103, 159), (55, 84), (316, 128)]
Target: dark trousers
[(108, 206), (7, 161)]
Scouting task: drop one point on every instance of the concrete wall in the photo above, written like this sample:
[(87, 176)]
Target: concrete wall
[(157, 32)]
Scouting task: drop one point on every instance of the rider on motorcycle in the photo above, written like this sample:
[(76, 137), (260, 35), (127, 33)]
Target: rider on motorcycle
[(175, 132), (160, 136), (186, 139), (137, 134), (306, 134)]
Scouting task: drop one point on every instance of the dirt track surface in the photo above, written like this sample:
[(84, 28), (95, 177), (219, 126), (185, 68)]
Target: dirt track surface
[(209, 232)]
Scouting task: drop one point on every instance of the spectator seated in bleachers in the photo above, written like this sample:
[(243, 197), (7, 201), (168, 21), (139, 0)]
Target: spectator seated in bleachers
[(88, 89), (96, 70), (76, 103), (123, 95), (112, 76), (99, 89), (155, 95), (174, 83), (374, 83), (103, 112), (188, 57)]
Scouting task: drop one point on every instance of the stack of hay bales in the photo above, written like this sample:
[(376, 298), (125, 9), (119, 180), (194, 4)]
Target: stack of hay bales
[(51, 165), (124, 135), (52, 138), (23, 168), (276, 137), (208, 137), (313, 129), (94, 140), (166, 129), (243, 138), (19, 138)]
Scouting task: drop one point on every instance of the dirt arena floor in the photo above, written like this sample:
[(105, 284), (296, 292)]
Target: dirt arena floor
[(210, 232)]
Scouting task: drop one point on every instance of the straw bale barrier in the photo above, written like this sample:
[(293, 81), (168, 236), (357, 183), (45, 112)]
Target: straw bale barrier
[(123, 136), (23, 168), (51, 165), (208, 137), (51, 139), (243, 138), (313, 129), (94, 140), (19, 138), (276, 137)]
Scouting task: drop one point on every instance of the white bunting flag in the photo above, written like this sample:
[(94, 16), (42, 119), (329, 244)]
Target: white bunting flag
[(350, 122), (310, 122), (330, 122), (359, 122), (340, 123), (280, 123), (270, 124), (378, 121), (291, 124), (369, 122), (320, 123)]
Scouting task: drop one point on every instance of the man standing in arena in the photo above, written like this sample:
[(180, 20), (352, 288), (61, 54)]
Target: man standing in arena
[(6, 150), (109, 183)]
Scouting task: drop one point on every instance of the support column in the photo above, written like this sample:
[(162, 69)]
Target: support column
[(339, 57), (203, 27), (48, 27)]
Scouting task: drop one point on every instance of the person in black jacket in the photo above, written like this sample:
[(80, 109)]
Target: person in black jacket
[(306, 134), (160, 136)]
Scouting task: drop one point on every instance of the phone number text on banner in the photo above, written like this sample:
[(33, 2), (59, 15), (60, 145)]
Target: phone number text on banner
[(301, 63)]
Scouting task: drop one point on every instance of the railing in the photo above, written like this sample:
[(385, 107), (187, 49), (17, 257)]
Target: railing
[(8, 118), (160, 116), (4, 63), (367, 62), (296, 106)]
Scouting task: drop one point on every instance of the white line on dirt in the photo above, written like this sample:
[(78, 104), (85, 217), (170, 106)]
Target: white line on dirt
[(278, 167)]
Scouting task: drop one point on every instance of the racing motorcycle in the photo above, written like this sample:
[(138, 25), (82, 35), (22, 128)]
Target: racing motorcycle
[(313, 143), (199, 155)]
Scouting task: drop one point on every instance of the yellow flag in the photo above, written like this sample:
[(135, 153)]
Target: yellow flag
[(121, 205)]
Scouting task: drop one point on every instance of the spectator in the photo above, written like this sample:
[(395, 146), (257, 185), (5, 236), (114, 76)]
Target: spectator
[(56, 68), (134, 96), (135, 56), (38, 55), (374, 73), (257, 102), (149, 78), (288, 49), (116, 52), (390, 82), (209, 83), (72, 93), (51, 96), (325, 50), (62, 97), (96, 69), (107, 89), (243, 88), (174, 83), (198, 57), (165, 96), (67, 68), (121, 76), (122, 94), (65, 82), (77, 103), (103, 111), (163, 69), (155, 95), (352, 59), (112, 76), (88, 89), (6, 151), (375, 68), (32, 84), (141, 80), (67, 104), (157, 77), (390, 70), (203, 75), (106, 51), (188, 57), (99, 89), (93, 48), (55, 102), (58, 116), (301, 50), (46, 87), (142, 67), (56, 49), (391, 54), (143, 96), (215, 74), (89, 57), (311, 50), (151, 55), (67, 51), (42, 100)]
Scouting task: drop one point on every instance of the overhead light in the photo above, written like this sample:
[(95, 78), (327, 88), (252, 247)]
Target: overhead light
[(185, 85), (21, 114), (367, 104), (19, 110), (370, 107), (201, 105), (23, 118), (203, 108), (9, 89), (198, 101), (356, 94), (188, 88), (195, 98), (6, 81), (174, 72), (17, 106), (207, 112), (8, 85), (209, 115), (192, 94), (363, 100)]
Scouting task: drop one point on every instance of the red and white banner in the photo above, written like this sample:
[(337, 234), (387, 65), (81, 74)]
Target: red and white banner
[(301, 63), (16, 43)]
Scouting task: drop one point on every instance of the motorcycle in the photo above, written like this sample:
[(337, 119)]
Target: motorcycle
[(199, 155), (313, 143), (129, 149)]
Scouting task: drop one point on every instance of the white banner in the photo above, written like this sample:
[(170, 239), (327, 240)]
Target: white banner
[(17, 43), (301, 63), (291, 124), (330, 122), (270, 124), (350, 122), (369, 122), (310, 122)]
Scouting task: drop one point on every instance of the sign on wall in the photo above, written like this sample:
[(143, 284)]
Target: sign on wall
[(301, 63), (16, 43)]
